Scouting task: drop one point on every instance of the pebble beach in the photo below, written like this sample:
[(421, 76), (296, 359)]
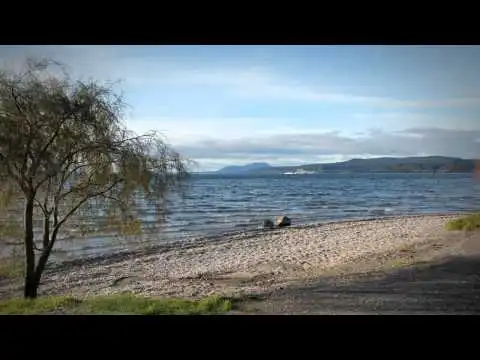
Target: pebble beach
[(237, 265)]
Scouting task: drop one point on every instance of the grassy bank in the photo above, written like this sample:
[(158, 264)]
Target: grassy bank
[(115, 304), (468, 223)]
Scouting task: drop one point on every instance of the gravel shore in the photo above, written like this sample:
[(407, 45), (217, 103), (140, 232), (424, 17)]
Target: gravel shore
[(239, 265)]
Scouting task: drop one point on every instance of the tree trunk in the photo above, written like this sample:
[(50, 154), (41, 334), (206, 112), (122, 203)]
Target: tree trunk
[(48, 245), (46, 231), (41, 265), (30, 289), (31, 286)]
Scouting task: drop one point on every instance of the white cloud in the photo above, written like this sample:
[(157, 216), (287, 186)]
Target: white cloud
[(186, 130), (110, 63), (114, 62), (258, 83), (216, 142), (395, 120), (286, 147)]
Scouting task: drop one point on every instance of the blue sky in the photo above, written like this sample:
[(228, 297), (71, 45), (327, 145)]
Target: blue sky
[(222, 105)]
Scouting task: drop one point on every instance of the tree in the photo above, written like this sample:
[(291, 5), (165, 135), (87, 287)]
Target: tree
[(63, 149)]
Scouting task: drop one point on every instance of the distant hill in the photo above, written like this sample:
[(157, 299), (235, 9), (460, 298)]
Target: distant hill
[(386, 164), (244, 169)]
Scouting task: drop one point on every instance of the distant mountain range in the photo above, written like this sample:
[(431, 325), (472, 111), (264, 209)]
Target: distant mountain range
[(386, 164), (244, 169)]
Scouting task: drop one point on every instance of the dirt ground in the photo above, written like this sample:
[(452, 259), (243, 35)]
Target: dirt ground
[(440, 277)]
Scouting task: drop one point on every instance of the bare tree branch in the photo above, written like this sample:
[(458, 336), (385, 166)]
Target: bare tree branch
[(15, 98), (47, 195), (48, 143), (76, 207), (78, 189), (64, 177), (40, 205)]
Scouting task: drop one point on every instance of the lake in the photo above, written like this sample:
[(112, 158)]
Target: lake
[(214, 205)]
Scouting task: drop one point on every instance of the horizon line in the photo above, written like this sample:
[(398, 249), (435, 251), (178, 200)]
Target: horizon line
[(338, 162)]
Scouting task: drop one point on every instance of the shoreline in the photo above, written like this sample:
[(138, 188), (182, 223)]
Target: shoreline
[(227, 237), (242, 264)]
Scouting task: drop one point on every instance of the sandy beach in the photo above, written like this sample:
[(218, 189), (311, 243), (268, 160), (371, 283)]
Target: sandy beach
[(241, 265)]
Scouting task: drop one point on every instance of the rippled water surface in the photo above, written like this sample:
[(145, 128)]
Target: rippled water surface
[(214, 205)]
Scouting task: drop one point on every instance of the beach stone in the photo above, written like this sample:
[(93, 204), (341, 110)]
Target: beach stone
[(268, 224), (283, 221)]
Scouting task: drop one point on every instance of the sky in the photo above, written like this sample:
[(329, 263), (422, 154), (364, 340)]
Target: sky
[(289, 105)]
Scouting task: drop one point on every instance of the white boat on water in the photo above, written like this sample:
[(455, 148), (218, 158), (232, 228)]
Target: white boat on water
[(299, 172)]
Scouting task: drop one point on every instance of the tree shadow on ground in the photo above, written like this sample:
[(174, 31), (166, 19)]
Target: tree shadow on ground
[(450, 286)]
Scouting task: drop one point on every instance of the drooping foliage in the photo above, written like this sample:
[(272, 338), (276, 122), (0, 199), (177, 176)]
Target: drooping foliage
[(64, 150)]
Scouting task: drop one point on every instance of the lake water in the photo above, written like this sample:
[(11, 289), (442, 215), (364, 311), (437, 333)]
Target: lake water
[(214, 205)]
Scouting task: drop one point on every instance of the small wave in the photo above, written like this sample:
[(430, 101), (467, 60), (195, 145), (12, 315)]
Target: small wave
[(377, 211), (332, 206), (210, 222), (220, 207), (194, 211)]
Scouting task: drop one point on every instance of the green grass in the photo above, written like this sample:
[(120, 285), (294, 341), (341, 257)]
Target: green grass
[(468, 223), (400, 263), (116, 304)]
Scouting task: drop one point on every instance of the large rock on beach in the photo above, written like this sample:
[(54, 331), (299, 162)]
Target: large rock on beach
[(283, 221), (268, 224)]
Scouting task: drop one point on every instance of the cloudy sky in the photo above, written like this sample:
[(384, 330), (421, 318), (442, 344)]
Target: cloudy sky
[(222, 105)]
